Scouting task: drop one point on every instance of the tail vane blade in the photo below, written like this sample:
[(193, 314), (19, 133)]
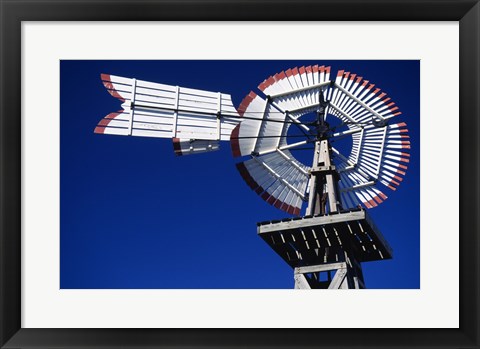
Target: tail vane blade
[(164, 111)]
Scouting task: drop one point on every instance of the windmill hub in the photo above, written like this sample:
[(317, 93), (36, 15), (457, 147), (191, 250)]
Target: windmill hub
[(323, 130)]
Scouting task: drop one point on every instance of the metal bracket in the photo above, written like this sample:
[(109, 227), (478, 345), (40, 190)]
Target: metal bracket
[(175, 111), (323, 169), (132, 103), (219, 114)]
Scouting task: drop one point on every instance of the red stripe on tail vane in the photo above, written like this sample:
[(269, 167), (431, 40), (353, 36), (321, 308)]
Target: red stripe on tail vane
[(99, 130), (110, 88), (340, 73), (295, 71), (104, 122), (377, 199), (288, 72), (302, 70), (308, 69), (382, 195), (114, 114), (315, 68)]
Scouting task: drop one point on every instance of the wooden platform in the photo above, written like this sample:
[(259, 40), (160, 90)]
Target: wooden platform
[(314, 240)]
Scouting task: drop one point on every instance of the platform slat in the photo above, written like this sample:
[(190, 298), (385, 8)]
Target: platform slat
[(321, 239)]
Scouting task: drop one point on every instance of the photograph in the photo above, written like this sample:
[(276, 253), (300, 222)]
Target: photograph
[(240, 174)]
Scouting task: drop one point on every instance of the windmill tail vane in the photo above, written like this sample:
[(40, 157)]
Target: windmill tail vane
[(197, 120)]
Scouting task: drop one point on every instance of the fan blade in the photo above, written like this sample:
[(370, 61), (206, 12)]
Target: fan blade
[(277, 180), (297, 90)]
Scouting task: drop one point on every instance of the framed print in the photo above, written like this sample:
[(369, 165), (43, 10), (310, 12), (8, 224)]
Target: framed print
[(115, 241)]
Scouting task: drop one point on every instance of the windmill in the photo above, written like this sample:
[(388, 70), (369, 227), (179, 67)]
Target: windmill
[(326, 245)]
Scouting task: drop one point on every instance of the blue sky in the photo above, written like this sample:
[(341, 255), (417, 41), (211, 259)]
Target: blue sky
[(133, 215)]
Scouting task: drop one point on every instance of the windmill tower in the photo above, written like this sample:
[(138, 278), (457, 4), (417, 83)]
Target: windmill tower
[(327, 245)]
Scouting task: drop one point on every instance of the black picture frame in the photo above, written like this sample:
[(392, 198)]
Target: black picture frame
[(13, 12)]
